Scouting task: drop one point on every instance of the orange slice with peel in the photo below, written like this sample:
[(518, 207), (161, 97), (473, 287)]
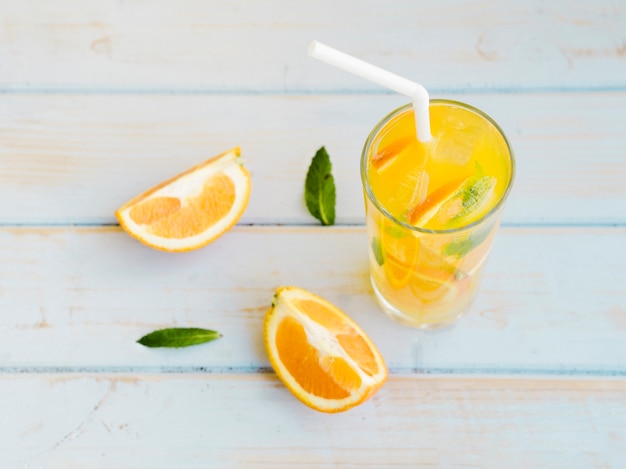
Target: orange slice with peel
[(321, 355), (454, 204), (192, 209), (398, 273), (400, 250), (434, 275), (384, 156), (433, 285)]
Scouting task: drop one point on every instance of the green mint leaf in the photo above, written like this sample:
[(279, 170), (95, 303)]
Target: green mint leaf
[(396, 232), (475, 193), (319, 188), (460, 247), (377, 249), (178, 337)]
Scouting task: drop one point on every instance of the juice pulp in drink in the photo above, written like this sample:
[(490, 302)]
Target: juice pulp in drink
[(433, 209)]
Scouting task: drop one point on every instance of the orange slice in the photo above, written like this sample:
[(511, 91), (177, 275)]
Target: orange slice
[(319, 353), (400, 259), (386, 155), (400, 249), (192, 209), (398, 273), (433, 285), (434, 275), (454, 204)]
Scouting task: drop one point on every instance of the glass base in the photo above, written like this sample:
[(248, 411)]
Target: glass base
[(412, 321)]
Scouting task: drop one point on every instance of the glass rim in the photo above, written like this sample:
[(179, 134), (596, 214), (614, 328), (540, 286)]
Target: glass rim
[(370, 194)]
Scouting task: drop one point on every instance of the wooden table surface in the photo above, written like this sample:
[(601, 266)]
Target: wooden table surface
[(100, 100)]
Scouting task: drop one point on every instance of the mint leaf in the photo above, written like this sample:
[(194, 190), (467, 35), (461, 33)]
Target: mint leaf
[(396, 232), (476, 192), (461, 247), (319, 188), (178, 337), (377, 249)]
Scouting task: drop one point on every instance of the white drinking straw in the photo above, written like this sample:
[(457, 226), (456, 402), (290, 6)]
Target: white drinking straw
[(415, 91)]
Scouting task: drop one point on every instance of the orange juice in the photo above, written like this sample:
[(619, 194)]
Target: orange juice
[(433, 209)]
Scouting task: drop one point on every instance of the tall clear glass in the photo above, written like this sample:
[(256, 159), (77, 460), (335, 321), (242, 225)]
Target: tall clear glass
[(423, 274)]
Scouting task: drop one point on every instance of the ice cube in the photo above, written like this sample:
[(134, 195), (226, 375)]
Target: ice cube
[(412, 188), (457, 140)]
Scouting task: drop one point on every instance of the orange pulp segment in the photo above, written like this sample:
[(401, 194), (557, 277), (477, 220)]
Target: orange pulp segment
[(191, 209), (321, 355)]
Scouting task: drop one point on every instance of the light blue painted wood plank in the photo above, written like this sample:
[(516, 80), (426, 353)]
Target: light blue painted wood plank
[(75, 159), (552, 301), (156, 421), (243, 45)]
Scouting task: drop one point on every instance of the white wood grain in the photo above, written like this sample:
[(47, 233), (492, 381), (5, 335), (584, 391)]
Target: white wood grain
[(242, 45), (75, 159), (553, 300), (243, 421)]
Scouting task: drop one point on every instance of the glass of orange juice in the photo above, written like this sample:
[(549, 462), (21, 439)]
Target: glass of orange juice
[(433, 208)]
